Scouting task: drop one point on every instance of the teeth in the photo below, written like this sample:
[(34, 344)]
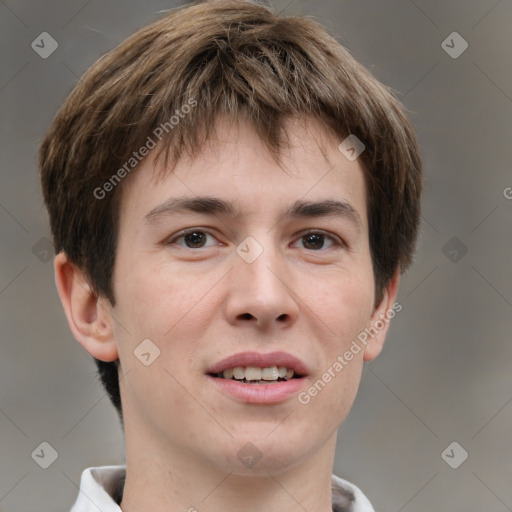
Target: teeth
[(269, 373), (228, 374), (239, 373), (253, 373)]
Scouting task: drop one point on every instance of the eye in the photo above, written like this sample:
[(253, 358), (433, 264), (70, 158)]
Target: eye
[(315, 239), (193, 238)]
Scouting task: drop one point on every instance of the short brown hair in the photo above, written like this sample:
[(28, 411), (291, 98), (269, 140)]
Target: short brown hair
[(234, 58)]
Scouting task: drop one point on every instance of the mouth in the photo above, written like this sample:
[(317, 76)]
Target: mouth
[(255, 369), (256, 375)]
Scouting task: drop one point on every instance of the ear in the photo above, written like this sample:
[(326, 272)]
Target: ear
[(381, 318), (89, 316)]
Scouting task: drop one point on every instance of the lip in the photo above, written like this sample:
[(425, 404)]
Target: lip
[(259, 393), (261, 361)]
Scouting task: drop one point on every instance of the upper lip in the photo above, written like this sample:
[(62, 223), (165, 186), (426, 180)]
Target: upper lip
[(261, 361)]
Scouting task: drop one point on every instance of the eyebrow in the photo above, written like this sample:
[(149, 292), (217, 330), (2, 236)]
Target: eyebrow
[(215, 206)]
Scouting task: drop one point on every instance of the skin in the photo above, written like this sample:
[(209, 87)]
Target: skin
[(200, 303)]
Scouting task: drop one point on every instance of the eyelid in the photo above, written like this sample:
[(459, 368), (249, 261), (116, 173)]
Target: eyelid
[(172, 239), (338, 241)]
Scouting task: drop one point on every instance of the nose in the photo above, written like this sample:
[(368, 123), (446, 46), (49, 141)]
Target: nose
[(262, 292)]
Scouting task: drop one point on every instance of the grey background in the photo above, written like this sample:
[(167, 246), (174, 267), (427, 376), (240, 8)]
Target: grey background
[(445, 372)]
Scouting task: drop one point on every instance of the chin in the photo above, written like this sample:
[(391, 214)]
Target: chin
[(257, 455)]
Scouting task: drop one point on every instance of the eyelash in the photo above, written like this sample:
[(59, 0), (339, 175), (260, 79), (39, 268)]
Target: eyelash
[(337, 241)]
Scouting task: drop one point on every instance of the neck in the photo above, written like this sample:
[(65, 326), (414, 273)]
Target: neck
[(162, 477)]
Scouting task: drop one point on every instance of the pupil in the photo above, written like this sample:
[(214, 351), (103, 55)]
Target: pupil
[(195, 237), (317, 237), (314, 240)]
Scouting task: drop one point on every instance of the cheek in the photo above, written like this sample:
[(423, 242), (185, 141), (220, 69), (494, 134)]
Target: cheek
[(345, 308), (162, 309), (168, 308), (344, 305), (329, 398), (154, 302)]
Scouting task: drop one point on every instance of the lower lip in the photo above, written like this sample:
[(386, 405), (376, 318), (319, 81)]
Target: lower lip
[(259, 393)]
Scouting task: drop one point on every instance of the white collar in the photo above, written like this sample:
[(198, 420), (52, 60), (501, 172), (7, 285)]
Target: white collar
[(98, 485)]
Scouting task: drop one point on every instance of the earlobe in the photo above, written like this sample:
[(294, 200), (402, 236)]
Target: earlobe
[(381, 319), (88, 317)]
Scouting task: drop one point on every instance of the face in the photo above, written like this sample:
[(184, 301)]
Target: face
[(214, 289)]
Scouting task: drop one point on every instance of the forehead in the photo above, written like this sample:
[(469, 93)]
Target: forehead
[(235, 164)]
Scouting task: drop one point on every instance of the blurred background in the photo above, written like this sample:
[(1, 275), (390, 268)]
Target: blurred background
[(431, 426)]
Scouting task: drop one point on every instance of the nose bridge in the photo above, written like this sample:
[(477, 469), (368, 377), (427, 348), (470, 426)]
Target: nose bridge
[(261, 281), (258, 263)]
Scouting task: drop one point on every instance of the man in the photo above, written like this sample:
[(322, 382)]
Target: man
[(232, 199)]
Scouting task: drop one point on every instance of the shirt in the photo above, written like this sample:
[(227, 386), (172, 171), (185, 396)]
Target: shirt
[(101, 488)]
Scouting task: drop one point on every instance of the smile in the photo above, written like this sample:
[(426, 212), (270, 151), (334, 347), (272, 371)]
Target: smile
[(259, 378), (256, 375)]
